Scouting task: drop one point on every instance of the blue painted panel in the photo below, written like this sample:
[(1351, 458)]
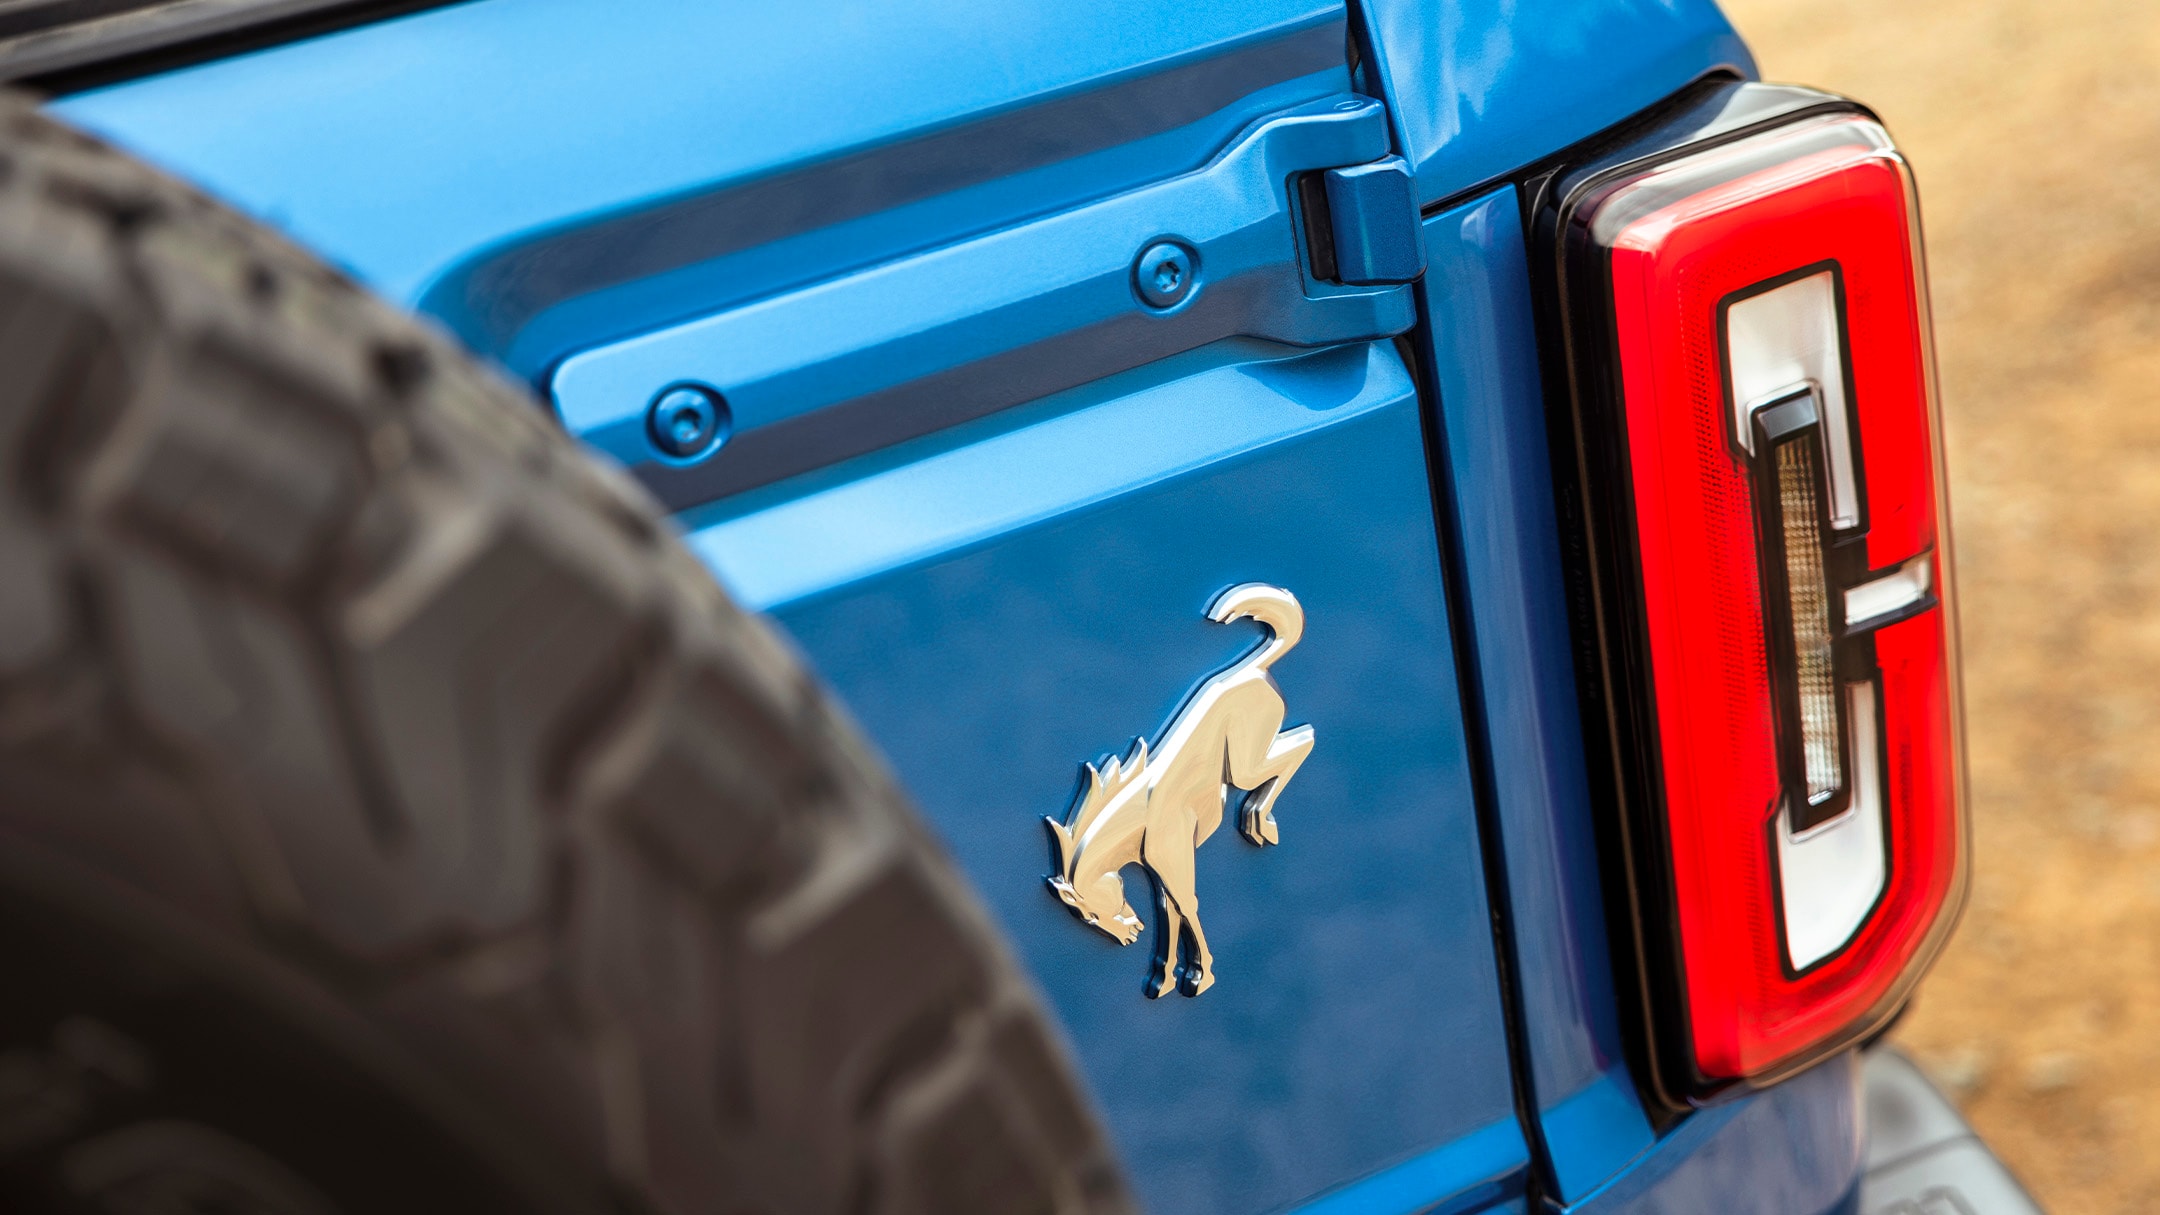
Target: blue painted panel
[(914, 344), (1000, 602), (1495, 1152), (505, 159), (1499, 481), (546, 175), (907, 319), (1481, 87), (1796, 1149)]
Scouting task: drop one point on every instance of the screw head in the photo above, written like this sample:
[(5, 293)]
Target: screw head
[(1165, 274), (687, 421)]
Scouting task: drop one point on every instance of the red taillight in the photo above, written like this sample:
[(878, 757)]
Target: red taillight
[(1749, 326)]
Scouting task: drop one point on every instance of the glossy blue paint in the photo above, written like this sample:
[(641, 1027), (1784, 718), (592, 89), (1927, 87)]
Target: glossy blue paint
[(1058, 289), (1498, 481), (1000, 602), (1796, 1149), (686, 421), (1164, 273), (1374, 214), (1481, 87), (1496, 1153), (544, 174)]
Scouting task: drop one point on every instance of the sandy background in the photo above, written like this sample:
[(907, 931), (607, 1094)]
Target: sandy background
[(2034, 126)]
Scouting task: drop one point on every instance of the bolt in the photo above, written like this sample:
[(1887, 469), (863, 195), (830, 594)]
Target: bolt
[(687, 421), (1165, 274)]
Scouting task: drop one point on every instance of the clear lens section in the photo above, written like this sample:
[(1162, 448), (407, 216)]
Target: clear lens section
[(1797, 477), (1833, 874), (1786, 336), (1899, 591)]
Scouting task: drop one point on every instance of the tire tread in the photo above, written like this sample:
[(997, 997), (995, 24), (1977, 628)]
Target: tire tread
[(472, 742)]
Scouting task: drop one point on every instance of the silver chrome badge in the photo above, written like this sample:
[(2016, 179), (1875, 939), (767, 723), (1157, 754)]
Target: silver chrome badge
[(1156, 807)]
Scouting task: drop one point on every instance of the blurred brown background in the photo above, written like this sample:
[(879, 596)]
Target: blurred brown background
[(2034, 127)]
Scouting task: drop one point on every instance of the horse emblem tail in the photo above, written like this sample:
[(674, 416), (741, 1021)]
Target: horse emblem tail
[(1272, 606)]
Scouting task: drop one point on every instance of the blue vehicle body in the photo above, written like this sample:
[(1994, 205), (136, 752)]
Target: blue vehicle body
[(990, 492)]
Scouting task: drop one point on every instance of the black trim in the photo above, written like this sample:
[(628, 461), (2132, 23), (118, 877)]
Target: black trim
[(1781, 630), (1318, 222)]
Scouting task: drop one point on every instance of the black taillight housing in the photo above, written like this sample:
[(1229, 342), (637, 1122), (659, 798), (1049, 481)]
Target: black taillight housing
[(1741, 361)]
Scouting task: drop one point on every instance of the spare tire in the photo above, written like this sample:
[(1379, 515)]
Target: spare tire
[(394, 816)]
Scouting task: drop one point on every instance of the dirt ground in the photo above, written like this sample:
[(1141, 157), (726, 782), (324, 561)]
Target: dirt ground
[(2034, 127)]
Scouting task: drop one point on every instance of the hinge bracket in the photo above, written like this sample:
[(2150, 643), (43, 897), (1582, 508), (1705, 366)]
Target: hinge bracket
[(1361, 224)]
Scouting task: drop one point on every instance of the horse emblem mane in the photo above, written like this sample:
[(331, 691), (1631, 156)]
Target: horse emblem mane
[(1156, 806), (1104, 783)]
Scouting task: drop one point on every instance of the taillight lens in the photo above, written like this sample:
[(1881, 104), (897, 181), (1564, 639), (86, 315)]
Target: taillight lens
[(1753, 393)]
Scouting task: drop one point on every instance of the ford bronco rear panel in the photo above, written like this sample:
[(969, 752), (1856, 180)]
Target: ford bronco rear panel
[(1111, 399)]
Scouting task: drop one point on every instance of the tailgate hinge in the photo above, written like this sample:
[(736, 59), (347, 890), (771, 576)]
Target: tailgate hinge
[(1362, 226)]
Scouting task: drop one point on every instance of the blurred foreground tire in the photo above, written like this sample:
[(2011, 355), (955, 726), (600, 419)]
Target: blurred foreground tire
[(394, 817)]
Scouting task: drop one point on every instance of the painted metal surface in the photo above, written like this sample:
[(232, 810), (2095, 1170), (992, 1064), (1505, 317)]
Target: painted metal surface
[(545, 181), (999, 601), (1498, 484), (1798, 1147), (547, 174), (1373, 215), (1482, 87), (918, 343)]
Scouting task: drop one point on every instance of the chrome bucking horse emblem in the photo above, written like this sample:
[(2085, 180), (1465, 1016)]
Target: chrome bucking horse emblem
[(1158, 805)]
